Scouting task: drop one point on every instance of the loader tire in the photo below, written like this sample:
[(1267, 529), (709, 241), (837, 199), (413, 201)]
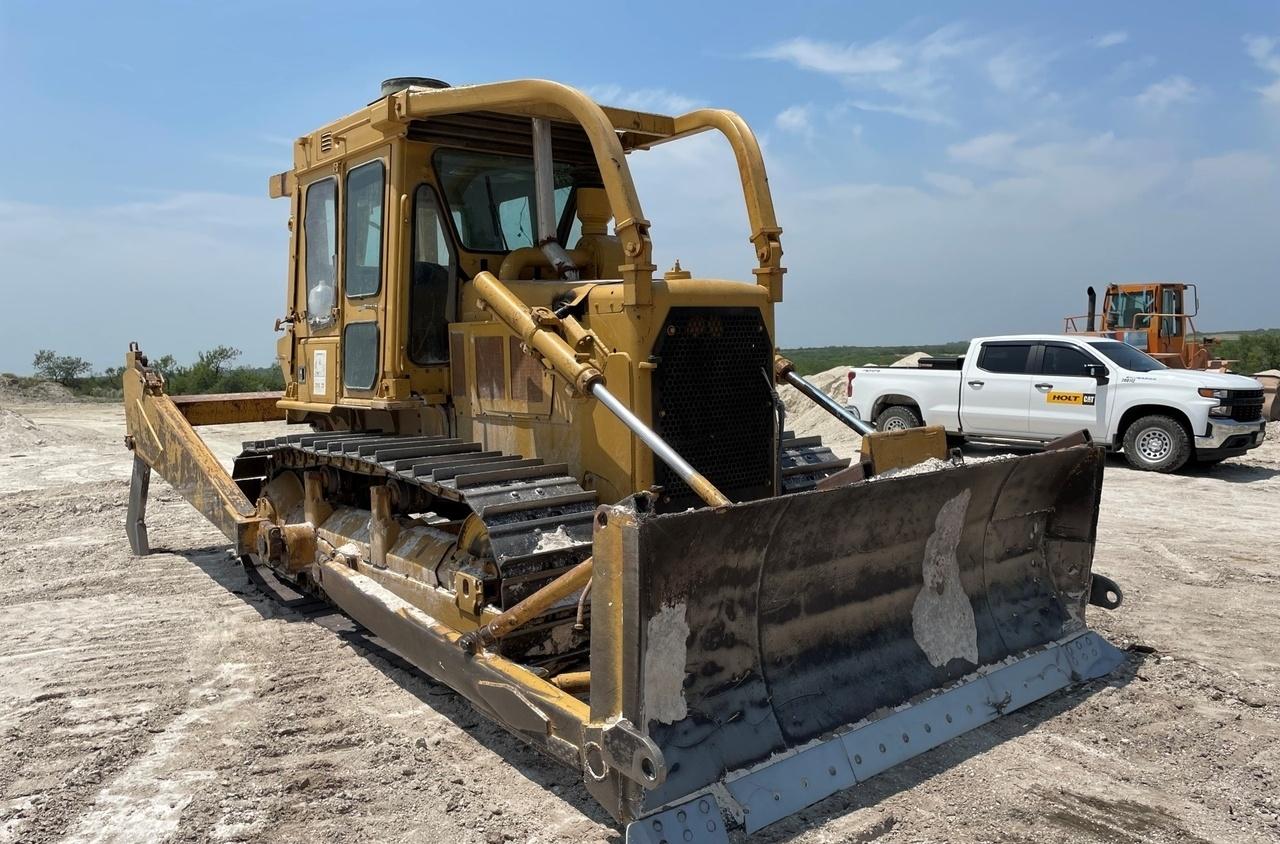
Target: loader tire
[(1157, 443), (898, 418)]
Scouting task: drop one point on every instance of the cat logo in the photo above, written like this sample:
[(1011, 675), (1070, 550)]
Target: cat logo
[(1059, 397)]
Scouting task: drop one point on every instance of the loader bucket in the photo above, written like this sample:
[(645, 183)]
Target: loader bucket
[(788, 648)]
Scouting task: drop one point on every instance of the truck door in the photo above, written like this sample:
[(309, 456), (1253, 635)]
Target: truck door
[(996, 388), (1065, 397)]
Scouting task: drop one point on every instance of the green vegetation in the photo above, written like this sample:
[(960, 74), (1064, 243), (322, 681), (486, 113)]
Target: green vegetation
[(818, 359), (1254, 351), (212, 372)]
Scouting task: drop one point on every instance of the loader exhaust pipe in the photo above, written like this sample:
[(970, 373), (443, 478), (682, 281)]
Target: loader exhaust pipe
[(1091, 319), (785, 370)]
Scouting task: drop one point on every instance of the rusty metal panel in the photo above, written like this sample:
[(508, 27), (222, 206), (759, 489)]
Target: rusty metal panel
[(526, 375), (491, 374), (458, 363), (230, 408)]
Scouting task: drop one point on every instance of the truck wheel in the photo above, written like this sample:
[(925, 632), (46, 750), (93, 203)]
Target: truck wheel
[(1156, 444), (898, 418)]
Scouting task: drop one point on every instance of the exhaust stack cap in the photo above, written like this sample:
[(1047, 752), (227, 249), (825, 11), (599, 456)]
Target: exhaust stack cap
[(396, 84)]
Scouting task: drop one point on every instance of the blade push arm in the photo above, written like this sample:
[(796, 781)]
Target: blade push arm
[(162, 438)]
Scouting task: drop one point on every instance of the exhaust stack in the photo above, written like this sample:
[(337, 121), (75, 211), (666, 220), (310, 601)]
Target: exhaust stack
[(1092, 318)]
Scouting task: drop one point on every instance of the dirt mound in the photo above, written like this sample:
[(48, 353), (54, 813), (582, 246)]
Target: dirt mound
[(912, 359), (17, 432), (807, 419), (17, 390)]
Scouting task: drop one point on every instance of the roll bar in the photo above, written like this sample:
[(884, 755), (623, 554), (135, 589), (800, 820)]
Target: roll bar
[(540, 98)]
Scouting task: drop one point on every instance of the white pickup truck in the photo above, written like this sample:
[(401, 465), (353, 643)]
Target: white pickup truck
[(1032, 389)]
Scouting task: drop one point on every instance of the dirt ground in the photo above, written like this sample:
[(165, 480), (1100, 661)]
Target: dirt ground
[(166, 698)]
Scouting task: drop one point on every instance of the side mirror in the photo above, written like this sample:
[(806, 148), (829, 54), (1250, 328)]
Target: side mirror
[(1097, 372)]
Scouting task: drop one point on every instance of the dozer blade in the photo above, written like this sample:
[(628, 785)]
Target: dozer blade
[(788, 648)]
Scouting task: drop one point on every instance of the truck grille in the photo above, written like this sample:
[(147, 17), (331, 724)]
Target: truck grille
[(712, 402), (1246, 405)]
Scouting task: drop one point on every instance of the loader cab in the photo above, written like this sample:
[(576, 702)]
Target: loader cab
[(1154, 318)]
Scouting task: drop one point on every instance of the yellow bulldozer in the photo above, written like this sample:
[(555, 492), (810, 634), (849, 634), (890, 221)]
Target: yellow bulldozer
[(562, 484)]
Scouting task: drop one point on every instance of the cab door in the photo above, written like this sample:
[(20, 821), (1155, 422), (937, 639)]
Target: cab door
[(363, 257), (996, 389), (317, 297), (1065, 398)]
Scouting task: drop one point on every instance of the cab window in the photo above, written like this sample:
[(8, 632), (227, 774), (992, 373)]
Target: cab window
[(1005, 357), (432, 282), (1170, 304), (1064, 360), (1125, 310), (320, 231), (491, 198), (362, 256)]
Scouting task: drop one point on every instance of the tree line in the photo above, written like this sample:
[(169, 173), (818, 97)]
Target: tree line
[(213, 371)]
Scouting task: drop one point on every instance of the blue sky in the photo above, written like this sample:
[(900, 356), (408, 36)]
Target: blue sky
[(940, 170)]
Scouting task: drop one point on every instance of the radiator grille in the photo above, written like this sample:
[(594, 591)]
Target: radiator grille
[(1246, 405), (713, 404)]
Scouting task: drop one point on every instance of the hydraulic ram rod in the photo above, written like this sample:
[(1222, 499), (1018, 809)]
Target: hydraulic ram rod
[(695, 479), (786, 371), (539, 602)]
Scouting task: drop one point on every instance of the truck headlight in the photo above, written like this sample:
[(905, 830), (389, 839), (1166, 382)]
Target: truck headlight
[(1211, 393), (1220, 410)]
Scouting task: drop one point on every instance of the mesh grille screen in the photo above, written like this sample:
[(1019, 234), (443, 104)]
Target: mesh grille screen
[(1246, 405), (712, 402)]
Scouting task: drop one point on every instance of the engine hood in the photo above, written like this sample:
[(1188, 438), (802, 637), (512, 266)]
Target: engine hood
[(1197, 378)]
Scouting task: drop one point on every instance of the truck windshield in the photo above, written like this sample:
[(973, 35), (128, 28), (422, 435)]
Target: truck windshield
[(1127, 357)]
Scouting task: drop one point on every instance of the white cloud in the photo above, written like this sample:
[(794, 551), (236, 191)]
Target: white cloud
[(1231, 173), (657, 100), (924, 114), (1111, 39), (839, 60), (992, 151), (178, 272), (1019, 69), (1262, 50), (797, 119), (948, 182), (910, 78), (1158, 96)]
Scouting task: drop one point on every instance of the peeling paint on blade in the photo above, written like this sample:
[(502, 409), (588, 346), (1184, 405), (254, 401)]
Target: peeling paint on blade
[(942, 617), (666, 655)]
